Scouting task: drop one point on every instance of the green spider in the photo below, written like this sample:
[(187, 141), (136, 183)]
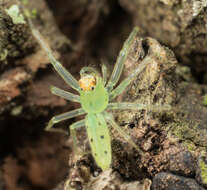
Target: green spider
[(95, 97)]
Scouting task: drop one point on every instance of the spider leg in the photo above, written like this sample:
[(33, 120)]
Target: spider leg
[(63, 117), (120, 60), (89, 70), (73, 127), (121, 87), (104, 73), (64, 94), (109, 117), (135, 106), (67, 77)]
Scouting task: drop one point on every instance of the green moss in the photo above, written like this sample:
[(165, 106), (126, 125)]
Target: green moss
[(16, 110), (205, 100), (203, 170), (15, 14), (25, 2), (3, 54), (180, 132), (189, 133), (30, 14), (34, 13), (190, 146)]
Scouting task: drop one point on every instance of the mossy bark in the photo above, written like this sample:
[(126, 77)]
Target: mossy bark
[(173, 141)]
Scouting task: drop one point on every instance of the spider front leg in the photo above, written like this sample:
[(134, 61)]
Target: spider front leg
[(67, 77), (122, 86), (62, 117), (104, 73), (110, 119), (121, 59), (88, 70)]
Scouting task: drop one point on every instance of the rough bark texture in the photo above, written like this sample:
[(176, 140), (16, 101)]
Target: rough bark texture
[(174, 142), (179, 24)]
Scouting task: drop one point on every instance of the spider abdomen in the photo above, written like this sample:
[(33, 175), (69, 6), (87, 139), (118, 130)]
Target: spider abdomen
[(99, 139)]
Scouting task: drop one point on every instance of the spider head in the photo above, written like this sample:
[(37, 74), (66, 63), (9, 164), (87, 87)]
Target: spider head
[(87, 82), (93, 96)]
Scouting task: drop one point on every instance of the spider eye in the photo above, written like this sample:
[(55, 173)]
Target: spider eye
[(87, 82)]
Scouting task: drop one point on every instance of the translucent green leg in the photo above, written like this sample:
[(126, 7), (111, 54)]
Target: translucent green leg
[(88, 70), (63, 117), (121, 87), (121, 59), (109, 117), (76, 151), (104, 73), (64, 94), (135, 106), (67, 77)]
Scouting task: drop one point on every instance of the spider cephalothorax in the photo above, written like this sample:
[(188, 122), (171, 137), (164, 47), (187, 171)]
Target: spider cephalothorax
[(95, 97)]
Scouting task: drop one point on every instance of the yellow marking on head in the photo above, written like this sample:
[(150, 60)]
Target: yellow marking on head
[(87, 82)]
